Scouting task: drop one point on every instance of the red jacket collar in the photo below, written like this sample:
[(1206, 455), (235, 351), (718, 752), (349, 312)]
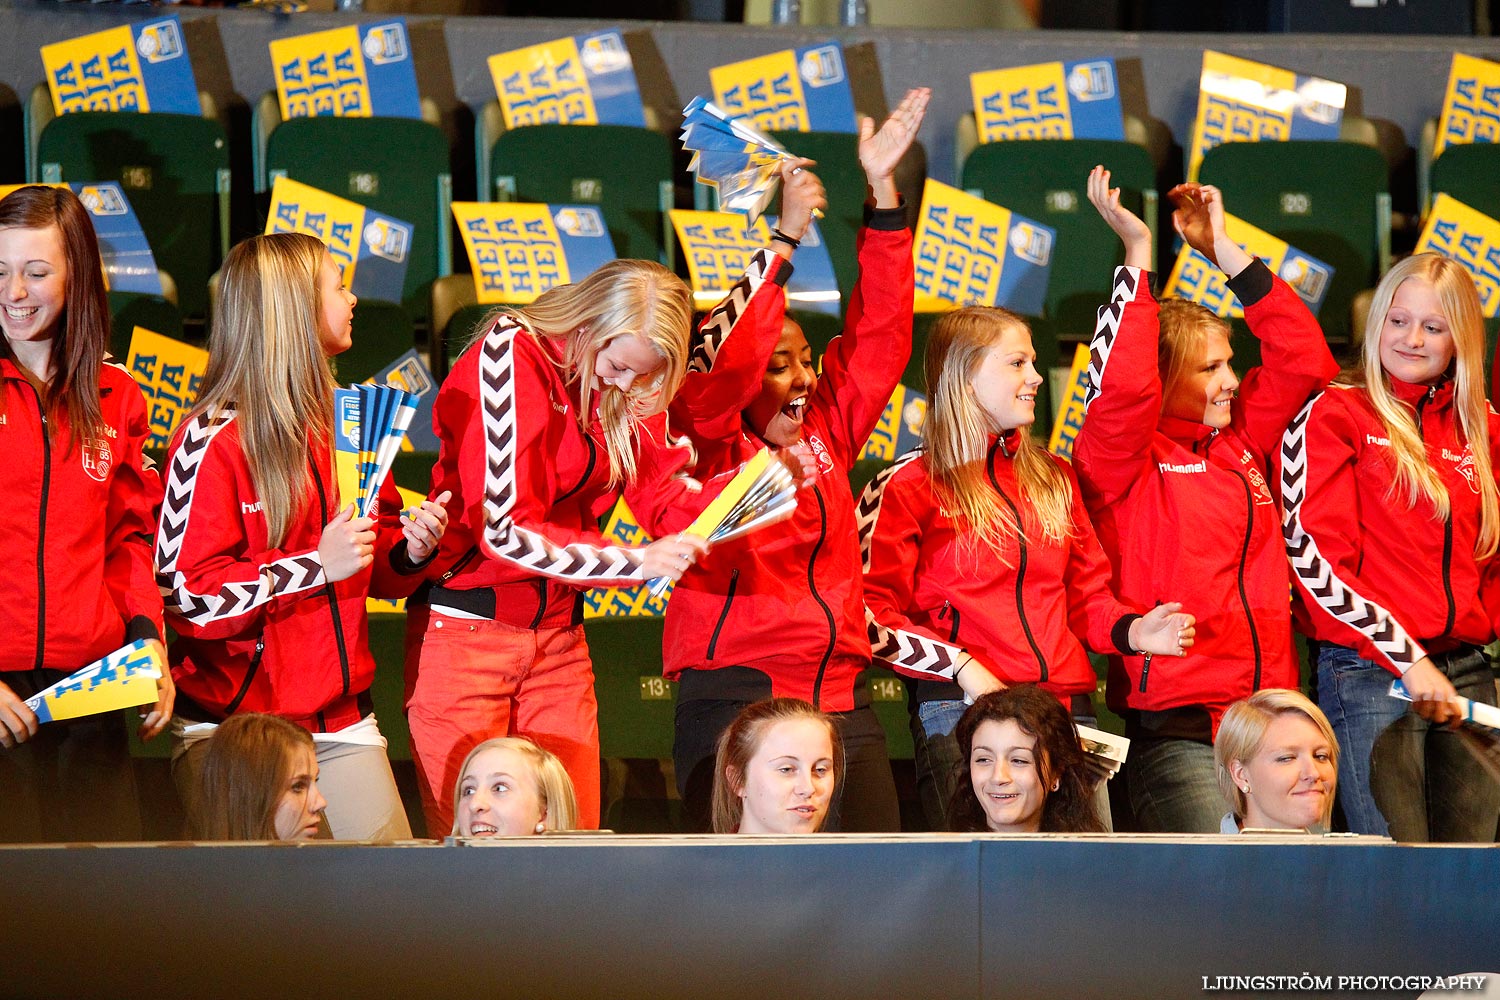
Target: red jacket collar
[(1184, 431), (1411, 392)]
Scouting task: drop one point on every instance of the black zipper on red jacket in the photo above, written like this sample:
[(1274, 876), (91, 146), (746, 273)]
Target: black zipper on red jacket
[(812, 586), (734, 582), (1244, 556), (946, 610), (541, 605), (587, 472), (333, 604), (1447, 528), (260, 651), (1020, 566), (41, 536)]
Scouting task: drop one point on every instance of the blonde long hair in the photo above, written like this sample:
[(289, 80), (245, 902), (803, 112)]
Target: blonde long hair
[(957, 432), (1415, 476), (623, 297), (266, 361)]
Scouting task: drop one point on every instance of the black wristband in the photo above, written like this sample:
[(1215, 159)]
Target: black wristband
[(777, 234), (1120, 635)]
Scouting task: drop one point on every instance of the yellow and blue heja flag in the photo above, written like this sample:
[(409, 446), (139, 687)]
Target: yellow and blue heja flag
[(718, 246), (1070, 415), (357, 71), (803, 90), (1244, 101), (900, 427), (1195, 279), (371, 249), (519, 250), (1471, 105), (123, 679), (1057, 100), (169, 373), (129, 264), (1469, 237), (410, 373), (587, 79), (625, 602), (969, 251), (135, 67)]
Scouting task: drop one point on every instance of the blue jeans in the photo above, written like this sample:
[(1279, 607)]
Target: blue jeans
[(938, 764), (941, 768), (1172, 786), (1399, 775)]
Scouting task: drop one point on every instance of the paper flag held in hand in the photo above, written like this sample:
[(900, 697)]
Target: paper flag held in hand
[(762, 492), (732, 155), (123, 679), (372, 420)]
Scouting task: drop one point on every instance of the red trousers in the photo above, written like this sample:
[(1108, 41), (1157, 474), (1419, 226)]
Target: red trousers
[(469, 680)]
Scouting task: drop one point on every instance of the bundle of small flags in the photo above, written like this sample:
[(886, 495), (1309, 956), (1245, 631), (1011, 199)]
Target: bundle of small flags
[(732, 155), (372, 420), (123, 679), (763, 491)]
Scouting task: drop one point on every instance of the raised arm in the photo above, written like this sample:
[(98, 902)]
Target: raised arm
[(1123, 402), (862, 366)]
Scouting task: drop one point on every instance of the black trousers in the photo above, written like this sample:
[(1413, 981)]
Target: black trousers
[(72, 781)]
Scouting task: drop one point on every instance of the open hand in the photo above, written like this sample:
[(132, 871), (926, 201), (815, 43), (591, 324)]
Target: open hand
[(1166, 630), (879, 152)]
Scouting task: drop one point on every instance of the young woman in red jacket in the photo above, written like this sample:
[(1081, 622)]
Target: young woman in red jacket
[(83, 501), (264, 566), (1388, 484), (1174, 458), (554, 411), (981, 567), (780, 613)]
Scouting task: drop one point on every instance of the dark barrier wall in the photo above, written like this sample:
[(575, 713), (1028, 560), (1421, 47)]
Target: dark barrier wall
[(1397, 79), (944, 917)]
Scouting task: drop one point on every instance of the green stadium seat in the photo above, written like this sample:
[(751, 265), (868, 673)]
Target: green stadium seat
[(1046, 180), (383, 331), (1327, 199), (636, 703), (397, 166), (1470, 173), (128, 310), (173, 168), (388, 690), (626, 171), (843, 178)]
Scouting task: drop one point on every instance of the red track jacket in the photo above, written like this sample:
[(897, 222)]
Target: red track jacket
[(788, 601), (85, 516), (1393, 583), (261, 629), (1020, 612), (1185, 512), (529, 485)]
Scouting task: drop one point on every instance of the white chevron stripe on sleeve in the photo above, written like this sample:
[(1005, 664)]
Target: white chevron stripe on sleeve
[(522, 546), (290, 575), (1315, 572)]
